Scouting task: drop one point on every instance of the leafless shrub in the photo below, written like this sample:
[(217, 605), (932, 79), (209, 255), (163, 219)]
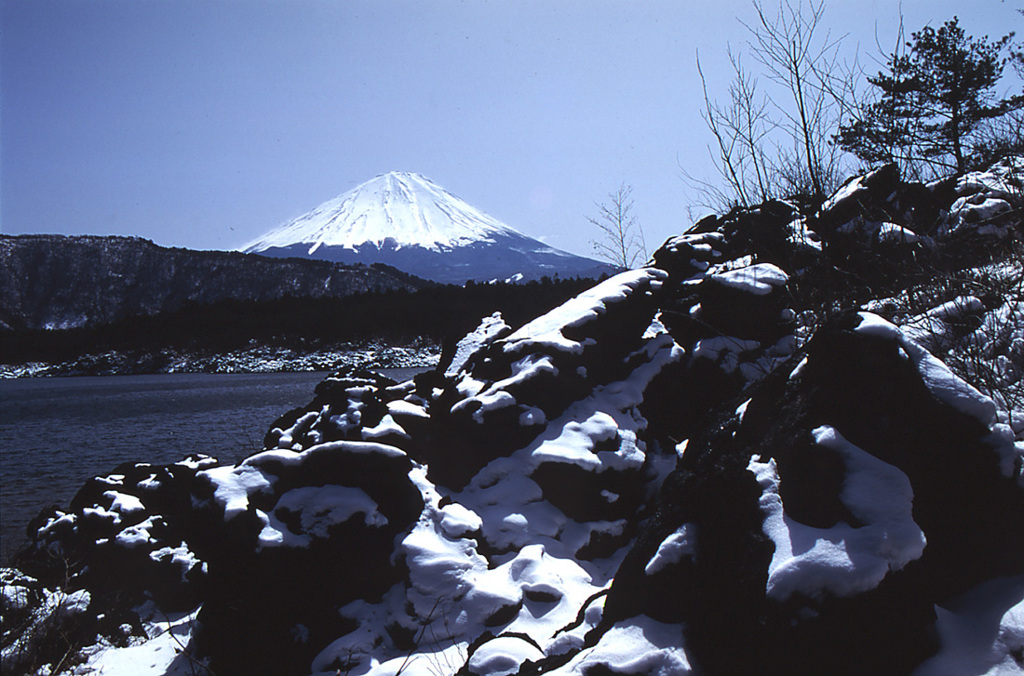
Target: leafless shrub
[(778, 141), (622, 240)]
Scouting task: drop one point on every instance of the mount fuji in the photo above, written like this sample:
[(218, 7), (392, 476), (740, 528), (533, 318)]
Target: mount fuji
[(409, 222)]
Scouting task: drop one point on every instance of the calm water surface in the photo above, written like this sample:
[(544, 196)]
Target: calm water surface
[(55, 433)]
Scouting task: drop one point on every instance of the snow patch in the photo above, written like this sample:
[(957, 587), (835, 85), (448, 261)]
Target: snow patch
[(759, 279), (936, 375), (546, 330), (233, 485), (672, 549), (640, 646), (317, 508), (891, 232), (490, 328), (982, 632), (158, 656), (841, 560)]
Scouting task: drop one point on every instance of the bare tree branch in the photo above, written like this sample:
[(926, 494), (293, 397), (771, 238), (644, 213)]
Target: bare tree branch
[(622, 240)]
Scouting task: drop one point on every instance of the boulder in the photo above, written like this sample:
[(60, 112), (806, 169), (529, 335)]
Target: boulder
[(859, 489)]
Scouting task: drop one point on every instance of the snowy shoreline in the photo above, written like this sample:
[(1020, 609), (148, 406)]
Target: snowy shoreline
[(255, 359)]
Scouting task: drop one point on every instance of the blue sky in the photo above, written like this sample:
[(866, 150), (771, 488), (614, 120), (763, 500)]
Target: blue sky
[(205, 123)]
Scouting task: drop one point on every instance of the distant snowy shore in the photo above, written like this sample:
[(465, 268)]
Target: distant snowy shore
[(254, 359)]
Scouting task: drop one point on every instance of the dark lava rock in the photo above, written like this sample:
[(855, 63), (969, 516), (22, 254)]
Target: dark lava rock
[(865, 385)]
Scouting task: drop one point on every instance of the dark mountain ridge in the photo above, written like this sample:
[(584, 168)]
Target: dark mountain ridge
[(503, 257), (55, 281)]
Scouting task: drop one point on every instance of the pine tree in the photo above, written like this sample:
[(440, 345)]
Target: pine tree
[(933, 99), (885, 130)]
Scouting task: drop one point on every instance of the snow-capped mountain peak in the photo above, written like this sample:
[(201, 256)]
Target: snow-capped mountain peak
[(395, 209), (409, 222)]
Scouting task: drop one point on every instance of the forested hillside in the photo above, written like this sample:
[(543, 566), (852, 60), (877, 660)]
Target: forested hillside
[(57, 282)]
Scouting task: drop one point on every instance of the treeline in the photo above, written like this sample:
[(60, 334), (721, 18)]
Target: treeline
[(441, 313)]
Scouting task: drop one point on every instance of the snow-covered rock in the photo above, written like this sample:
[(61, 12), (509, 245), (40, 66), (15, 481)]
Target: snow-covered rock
[(985, 200), (716, 464)]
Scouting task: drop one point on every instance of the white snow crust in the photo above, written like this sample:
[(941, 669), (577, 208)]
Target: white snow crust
[(841, 560), (160, 655), (673, 548), (984, 197), (936, 375), (319, 508), (932, 329), (547, 330), (641, 646), (981, 631), (489, 329), (758, 279), (845, 191), (892, 232), (234, 484)]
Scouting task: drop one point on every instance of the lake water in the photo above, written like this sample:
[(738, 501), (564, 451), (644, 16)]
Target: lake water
[(55, 433)]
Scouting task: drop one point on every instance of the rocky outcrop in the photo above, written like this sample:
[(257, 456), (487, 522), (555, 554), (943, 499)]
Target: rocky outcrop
[(726, 462), (826, 501), (52, 281)]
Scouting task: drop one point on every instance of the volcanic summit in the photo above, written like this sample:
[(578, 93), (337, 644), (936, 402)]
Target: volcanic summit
[(409, 222)]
